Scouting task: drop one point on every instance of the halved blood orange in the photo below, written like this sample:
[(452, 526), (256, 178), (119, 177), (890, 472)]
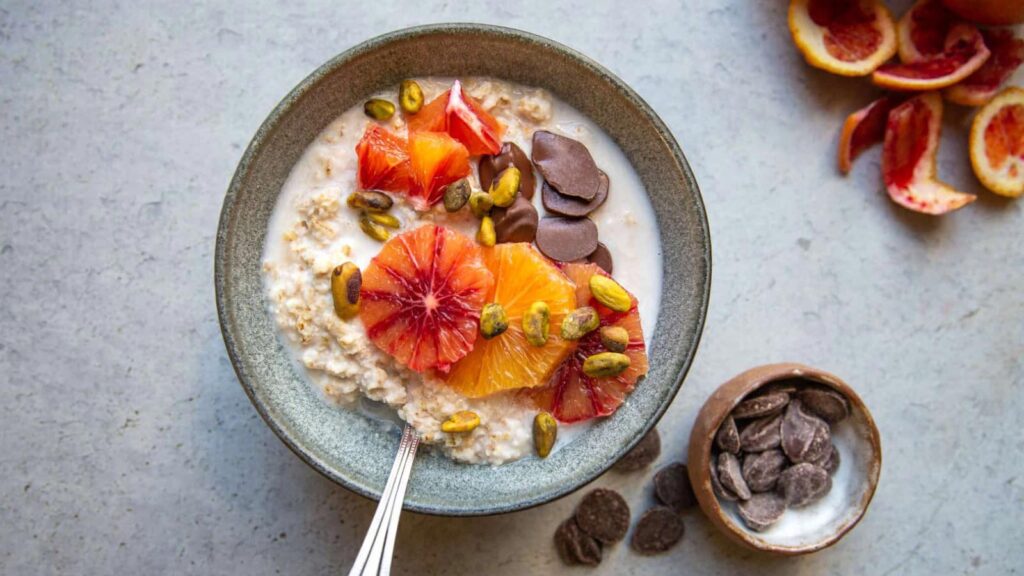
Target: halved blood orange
[(846, 37), (908, 157), (963, 54), (923, 30), (571, 395), (436, 161), (522, 276), (863, 129), (421, 297), (456, 113), (383, 161), (997, 143), (1007, 55)]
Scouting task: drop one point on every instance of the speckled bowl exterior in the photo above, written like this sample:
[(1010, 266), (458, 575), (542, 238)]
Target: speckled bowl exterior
[(356, 451), (721, 403)]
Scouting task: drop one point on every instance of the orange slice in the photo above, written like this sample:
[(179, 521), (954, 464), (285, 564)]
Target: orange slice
[(908, 158), (1007, 55), (845, 37), (863, 129), (522, 276), (997, 143), (421, 297), (965, 52)]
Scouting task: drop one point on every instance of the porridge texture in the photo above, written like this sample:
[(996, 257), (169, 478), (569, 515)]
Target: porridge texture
[(312, 231)]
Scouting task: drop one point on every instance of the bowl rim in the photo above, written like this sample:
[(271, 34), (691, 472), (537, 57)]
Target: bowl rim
[(714, 411), (272, 122)]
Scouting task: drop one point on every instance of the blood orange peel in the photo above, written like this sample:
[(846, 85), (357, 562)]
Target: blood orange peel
[(421, 297), (997, 143), (965, 52), (863, 129), (849, 38), (1007, 55), (922, 31), (458, 114), (908, 158)]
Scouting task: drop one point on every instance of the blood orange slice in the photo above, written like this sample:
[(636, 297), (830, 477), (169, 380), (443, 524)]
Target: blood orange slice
[(997, 143), (437, 160), (1007, 55), (908, 158), (422, 295), (522, 276), (571, 395), (863, 129), (846, 37), (456, 113), (964, 53), (383, 161), (922, 31)]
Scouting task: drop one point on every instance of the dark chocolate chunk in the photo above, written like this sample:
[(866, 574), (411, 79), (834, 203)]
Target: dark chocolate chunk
[(831, 463), (576, 546), (566, 239), (604, 515), (716, 485), (731, 475), (510, 155), (804, 483), (558, 203), (805, 437), (728, 437), (763, 405), (672, 487), (657, 531), (827, 404), (761, 471), (517, 223), (761, 434), (602, 257), (762, 510), (566, 165), (643, 454)]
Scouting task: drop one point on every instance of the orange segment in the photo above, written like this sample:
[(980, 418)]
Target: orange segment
[(437, 160), (997, 143), (522, 277), (462, 117), (383, 161), (846, 37)]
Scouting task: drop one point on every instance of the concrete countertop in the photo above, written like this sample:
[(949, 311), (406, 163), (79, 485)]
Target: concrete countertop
[(128, 446)]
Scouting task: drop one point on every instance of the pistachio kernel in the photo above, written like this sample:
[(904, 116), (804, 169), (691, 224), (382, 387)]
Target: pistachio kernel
[(545, 432), (461, 421), (608, 292), (605, 364), (346, 280), (370, 201), (615, 338), (536, 322), (379, 109), (410, 96), (486, 235), (457, 194), (384, 219), (372, 229), (493, 320), (480, 203), (579, 323), (506, 187)]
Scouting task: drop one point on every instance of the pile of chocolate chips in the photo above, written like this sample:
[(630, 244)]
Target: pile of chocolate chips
[(775, 450), (572, 188)]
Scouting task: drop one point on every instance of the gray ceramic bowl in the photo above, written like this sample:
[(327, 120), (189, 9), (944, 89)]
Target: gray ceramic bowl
[(357, 452)]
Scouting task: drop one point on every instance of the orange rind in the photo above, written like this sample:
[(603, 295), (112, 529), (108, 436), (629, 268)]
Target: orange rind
[(849, 38), (997, 143)]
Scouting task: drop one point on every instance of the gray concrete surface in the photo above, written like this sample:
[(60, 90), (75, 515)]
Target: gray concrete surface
[(128, 447)]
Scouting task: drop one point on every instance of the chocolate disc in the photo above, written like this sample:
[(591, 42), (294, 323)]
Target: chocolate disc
[(828, 405), (604, 515), (730, 474), (728, 438), (602, 257), (517, 223), (803, 484), (761, 434), (761, 470), (558, 203), (716, 485), (658, 530), (566, 165), (672, 487), (805, 437), (510, 155), (762, 510), (646, 451), (566, 239), (576, 546), (764, 405)]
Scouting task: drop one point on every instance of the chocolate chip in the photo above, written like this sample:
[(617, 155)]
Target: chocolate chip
[(728, 437), (604, 515), (761, 471), (646, 451), (672, 487), (602, 257), (558, 203), (510, 155), (804, 483), (761, 434), (566, 165), (566, 239), (576, 546), (805, 437), (731, 475), (762, 510), (716, 485), (828, 405), (657, 531), (517, 223), (763, 405)]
